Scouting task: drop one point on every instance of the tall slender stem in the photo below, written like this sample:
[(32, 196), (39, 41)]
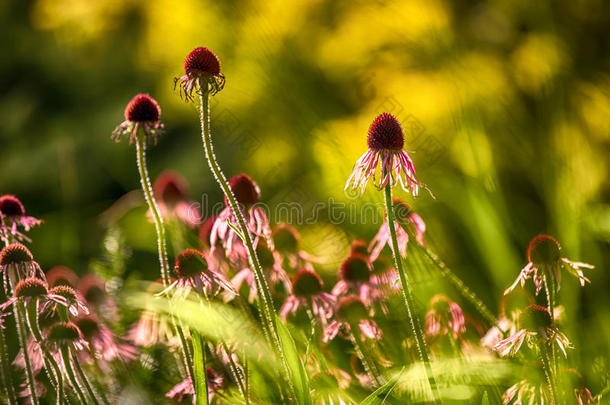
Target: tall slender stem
[(161, 239), (19, 312), (549, 288), (548, 371), (368, 363), (65, 355), (85, 380), (266, 303), (407, 296), (7, 381)]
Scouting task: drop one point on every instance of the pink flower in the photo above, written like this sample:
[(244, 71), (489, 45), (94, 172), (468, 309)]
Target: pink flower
[(405, 218), (16, 263), (573, 383), (33, 288), (75, 303), (536, 327), (65, 334), (12, 216), (170, 190), (143, 112), (61, 275), (352, 312), (183, 388), (152, 328), (544, 259), (286, 240), (307, 293), (93, 289), (445, 317), (355, 276), (531, 389), (385, 141), (102, 341), (201, 68)]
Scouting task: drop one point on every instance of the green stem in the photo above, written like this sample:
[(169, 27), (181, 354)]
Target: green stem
[(266, 303), (65, 355), (19, 312), (200, 384), (237, 375), (368, 363), (549, 288), (161, 239), (548, 372), (84, 379), (407, 296), (7, 381)]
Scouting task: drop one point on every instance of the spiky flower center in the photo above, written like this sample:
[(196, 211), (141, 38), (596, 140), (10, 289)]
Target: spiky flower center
[(356, 269), (30, 287), (170, 187), (10, 206), (64, 331), (61, 275), (285, 238), (351, 309), (385, 133), (88, 326), (402, 210), (201, 62), (381, 265), (246, 191), (142, 108), (440, 304), (306, 283), (544, 250), (64, 291), (535, 317), (190, 263), (15, 253)]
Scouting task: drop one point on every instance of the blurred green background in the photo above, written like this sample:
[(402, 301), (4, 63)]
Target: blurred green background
[(506, 107)]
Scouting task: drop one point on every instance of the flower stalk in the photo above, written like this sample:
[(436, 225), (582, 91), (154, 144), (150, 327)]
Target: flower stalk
[(19, 312)]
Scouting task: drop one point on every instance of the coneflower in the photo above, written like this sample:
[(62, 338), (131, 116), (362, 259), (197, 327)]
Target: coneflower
[(12, 217), (355, 278), (307, 292), (142, 112), (287, 240), (170, 190), (61, 275), (17, 263), (445, 318), (201, 71)]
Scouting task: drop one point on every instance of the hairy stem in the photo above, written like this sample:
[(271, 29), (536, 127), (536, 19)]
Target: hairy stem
[(406, 294), (550, 290), (7, 381), (266, 304), (548, 372), (368, 363), (65, 355), (19, 312), (85, 380)]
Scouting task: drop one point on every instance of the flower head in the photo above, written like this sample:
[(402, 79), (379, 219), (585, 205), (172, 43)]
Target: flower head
[(170, 188), (61, 275), (66, 333), (17, 263), (12, 216), (73, 299), (201, 68), (307, 290), (32, 288), (143, 112), (286, 240), (103, 341), (355, 276), (246, 191), (531, 389), (352, 312), (445, 317), (385, 142), (545, 260)]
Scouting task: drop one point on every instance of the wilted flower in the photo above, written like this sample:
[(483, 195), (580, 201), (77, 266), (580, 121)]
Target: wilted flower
[(405, 218), (201, 68), (144, 112), (307, 292), (248, 195), (12, 216), (16, 263), (536, 327), (170, 190), (544, 258), (445, 317), (352, 312), (193, 273), (385, 141)]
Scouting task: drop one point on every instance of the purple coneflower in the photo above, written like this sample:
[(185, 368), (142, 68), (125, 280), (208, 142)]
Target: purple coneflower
[(355, 276), (385, 141), (271, 263), (152, 327), (352, 312), (203, 66), (93, 289), (66, 334), (61, 275), (103, 342), (170, 190), (74, 302), (286, 240), (12, 216), (33, 288), (544, 259), (17, 263), (536, 327), (307, 291), (185, 387), (193, 273), (143, 112), (404, 218), (248, 195), (531, 389), (445, 317), (574, 384)]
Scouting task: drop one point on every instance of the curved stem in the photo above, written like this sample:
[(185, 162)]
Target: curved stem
[(19, 312), (236, 373), (84, 379), (161, 239), (65, 355), (266, 303), (407, 296), (7, 381), (368, 363)]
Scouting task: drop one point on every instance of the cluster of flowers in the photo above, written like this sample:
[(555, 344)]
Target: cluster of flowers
[(61, 320)]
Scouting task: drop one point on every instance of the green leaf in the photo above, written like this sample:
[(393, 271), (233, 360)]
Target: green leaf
[(485, 400), (201, 381), (382, 393), (298, 375)]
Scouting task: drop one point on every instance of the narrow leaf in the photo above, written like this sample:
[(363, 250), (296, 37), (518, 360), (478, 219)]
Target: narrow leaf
[(298, 374)]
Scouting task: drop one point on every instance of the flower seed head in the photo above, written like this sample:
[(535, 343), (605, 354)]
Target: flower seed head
[(10, 206), (170, 187), (31, 287), (88, 325), (201, 62), (92, 288), (385, 133), (356, 269), (535, 317), (61, 275), (246, 191), (306, 283), (143, 108), (15, 253), (63, 332), (190, 263), (544, 250), (64, 291), (285, 238), (351, 309)]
